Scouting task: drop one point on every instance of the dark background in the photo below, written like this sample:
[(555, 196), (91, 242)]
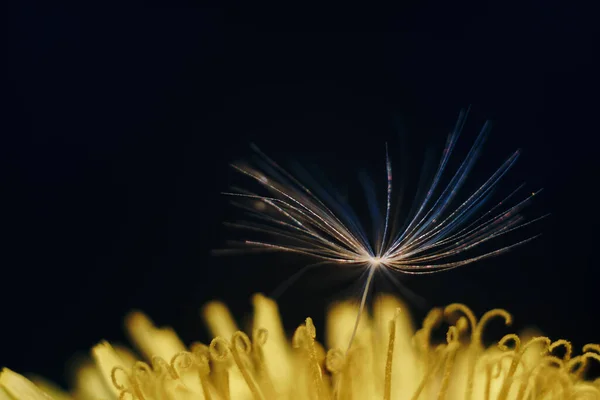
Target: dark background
[(122, 122)]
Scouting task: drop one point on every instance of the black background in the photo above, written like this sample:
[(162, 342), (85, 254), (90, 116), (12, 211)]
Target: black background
[(122, 123)]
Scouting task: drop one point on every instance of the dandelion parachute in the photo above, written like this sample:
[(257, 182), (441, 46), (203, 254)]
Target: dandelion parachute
[(439, 229)]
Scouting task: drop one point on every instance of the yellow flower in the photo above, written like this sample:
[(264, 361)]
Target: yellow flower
[(388, 360)]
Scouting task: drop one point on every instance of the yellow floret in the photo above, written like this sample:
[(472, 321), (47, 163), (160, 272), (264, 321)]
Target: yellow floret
[(388, 360)]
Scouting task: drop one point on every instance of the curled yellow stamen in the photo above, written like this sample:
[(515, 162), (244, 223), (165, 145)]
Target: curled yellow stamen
[(562, 343), (122, 381), (578, 365), (202, 354), (304, 338), (477, 341), (163, 369), (516, 360), (483, 322), (591, 347), (240, 348), (475, 344), (118, 383), (181, 361), (143, 379), (220, 354), (453, 340)]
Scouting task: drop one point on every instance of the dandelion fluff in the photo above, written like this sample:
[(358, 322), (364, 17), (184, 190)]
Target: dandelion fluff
[(435, 237)]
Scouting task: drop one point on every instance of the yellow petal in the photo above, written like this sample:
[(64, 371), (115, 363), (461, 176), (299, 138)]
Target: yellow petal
[(107, 359), (150, 340), (20, 387)]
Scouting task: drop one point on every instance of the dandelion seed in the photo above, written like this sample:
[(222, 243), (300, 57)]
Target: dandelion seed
[(435, 238)]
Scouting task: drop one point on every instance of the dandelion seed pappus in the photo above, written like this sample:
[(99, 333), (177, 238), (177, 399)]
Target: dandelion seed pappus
[(436, 236)]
